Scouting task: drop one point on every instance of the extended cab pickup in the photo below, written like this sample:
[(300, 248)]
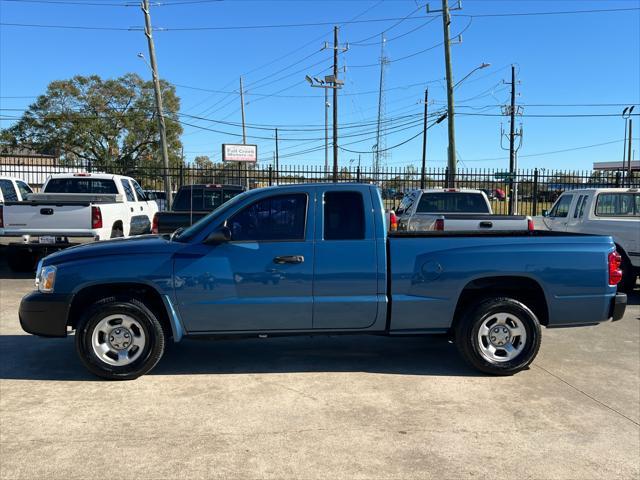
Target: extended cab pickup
[(603, 211), (72, 209), (453, 209), (191, 204), (317, 259)]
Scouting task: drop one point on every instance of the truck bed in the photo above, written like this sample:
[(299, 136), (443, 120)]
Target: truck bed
[(429, 270)]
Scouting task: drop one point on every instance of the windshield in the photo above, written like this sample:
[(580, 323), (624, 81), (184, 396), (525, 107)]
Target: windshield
[(194, 230)]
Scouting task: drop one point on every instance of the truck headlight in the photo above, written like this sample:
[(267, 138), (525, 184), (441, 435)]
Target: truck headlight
[(46, 278)]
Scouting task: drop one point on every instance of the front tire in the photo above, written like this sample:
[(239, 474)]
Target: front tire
[(119, 339), (499, 336)]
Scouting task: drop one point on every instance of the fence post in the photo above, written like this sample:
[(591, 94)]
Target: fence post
[(535, 192), (446, 176), (358, 174), (181, 175), (618, 179), (270, 175)]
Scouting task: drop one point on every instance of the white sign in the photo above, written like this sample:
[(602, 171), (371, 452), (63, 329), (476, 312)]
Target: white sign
[(239, 153)]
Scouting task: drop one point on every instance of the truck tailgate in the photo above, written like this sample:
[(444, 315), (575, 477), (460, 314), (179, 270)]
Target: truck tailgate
[(52, 218), (462, 222)]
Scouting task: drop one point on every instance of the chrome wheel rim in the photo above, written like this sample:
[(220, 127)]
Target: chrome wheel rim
[(118, 340), (501, 337)]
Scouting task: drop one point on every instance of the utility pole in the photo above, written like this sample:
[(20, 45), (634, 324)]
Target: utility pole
[(326, 130), (381, 143), (626, 115), (629, 152), (512, 137), (277, 158), (335, 104), (244, 136), (331, 81), (158, 96), (424, 140), (451, 153), (244, 132), (512, 110)]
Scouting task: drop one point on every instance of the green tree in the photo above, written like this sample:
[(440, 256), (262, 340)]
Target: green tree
[(110, 124)]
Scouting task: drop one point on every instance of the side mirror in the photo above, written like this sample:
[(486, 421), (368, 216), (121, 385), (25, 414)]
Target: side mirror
[(218, 236), (545, 213)]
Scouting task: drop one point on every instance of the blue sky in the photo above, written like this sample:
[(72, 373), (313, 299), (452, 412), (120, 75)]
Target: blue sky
[(569, 64)]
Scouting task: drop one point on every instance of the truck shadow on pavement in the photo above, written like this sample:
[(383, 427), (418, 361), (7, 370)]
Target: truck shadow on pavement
[(25, 357)]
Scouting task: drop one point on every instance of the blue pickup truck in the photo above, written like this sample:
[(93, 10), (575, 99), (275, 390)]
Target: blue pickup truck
[(317, 259)]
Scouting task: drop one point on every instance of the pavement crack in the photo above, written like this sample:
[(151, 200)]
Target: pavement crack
[(587, 395)]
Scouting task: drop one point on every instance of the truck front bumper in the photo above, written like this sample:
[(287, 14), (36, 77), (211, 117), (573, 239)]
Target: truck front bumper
[(45, 314), (618, 306)]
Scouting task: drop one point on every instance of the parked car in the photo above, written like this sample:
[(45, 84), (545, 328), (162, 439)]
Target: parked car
[(191, 204), (317, 259), (453, 209), (13, 190), (73, 209), (603, 211)]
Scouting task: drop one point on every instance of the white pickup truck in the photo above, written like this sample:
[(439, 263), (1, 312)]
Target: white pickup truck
[(453, 209), (603, 211), (13, 190), (72, 209)]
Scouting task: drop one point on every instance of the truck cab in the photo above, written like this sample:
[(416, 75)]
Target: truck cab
[(603, 211)]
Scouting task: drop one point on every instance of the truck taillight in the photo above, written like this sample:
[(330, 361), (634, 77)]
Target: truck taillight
[(96, 217), (615, 273), (1, 217), (530, 225), (439, 225), (154, 224), (393, 222)]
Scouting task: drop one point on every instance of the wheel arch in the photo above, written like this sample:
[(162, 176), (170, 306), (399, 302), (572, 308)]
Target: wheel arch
[(522, 288), (88, 294)]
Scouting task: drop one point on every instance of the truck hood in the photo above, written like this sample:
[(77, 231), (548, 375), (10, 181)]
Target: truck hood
[(142, 245)]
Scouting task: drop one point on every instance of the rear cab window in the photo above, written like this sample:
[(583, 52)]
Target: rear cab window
[(81, 185), (343, 216), (452, 202), (203, 198), (619, 204)]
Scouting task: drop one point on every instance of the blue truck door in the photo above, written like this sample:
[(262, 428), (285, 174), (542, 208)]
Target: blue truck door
[(346, 267), (261, 280)]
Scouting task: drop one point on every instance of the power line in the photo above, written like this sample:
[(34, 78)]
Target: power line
[(418, 52), (307, 24)]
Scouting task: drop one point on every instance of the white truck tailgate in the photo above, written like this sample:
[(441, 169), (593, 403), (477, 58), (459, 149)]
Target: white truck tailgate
[(47, 217)]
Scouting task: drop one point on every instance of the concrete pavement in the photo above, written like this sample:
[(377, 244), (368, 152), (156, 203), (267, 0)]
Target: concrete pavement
[(324, 407)]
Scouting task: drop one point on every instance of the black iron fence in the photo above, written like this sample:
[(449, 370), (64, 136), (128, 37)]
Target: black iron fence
[(532, 190)]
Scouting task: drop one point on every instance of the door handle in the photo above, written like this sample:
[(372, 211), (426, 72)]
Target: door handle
[(140, 208), (486, 224), (131, 208), (289, 259)]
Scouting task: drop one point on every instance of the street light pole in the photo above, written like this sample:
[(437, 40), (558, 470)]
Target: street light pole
[(158, 97)]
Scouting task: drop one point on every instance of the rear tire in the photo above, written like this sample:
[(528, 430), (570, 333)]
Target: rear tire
[(119, 339), (499, 336), (116, 231), (21, 260), (628, 282)]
